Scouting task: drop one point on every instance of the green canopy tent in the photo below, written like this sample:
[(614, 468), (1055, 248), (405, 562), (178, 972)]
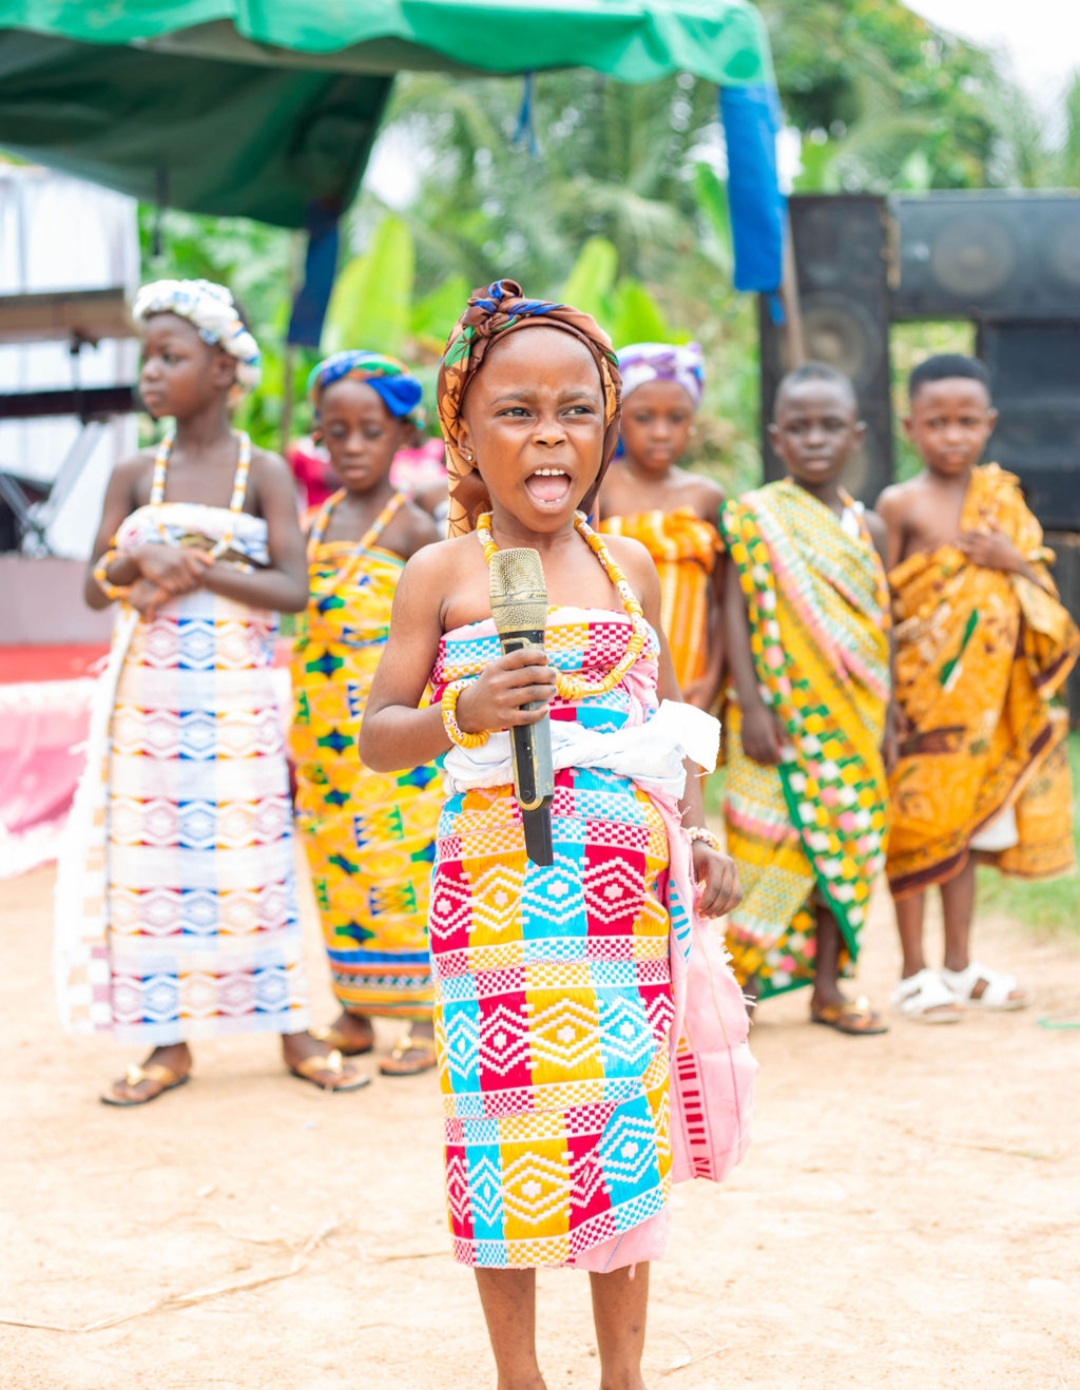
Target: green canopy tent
[(269, 108)]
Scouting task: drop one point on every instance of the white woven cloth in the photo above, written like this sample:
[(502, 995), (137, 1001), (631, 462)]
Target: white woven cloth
[(652, 754)]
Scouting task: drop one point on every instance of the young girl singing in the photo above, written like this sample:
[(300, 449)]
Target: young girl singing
[(176, 895), (555, 1010), (370, 838)]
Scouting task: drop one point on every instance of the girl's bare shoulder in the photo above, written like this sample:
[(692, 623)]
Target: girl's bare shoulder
[(410, 531), (269, 466), (702, 493), (633, 559), (135, 465), (131, 478), (445, 561)]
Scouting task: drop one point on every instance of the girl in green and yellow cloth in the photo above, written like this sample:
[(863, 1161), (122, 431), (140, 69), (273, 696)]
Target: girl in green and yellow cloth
[(369, 835)]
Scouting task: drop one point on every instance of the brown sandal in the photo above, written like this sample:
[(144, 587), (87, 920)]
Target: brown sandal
[(395, 1064), (856, 1020), (164, 1078), (328, 1064)]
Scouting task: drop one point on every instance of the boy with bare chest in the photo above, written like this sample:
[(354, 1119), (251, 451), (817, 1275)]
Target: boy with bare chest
[(982, 644)]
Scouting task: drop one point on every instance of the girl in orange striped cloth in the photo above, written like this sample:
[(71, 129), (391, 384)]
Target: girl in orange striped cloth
[(370, 837), (670, 511)]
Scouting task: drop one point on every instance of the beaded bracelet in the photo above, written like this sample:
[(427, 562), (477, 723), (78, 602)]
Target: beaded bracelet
[(101, 576), (706, 837), (454, 732)]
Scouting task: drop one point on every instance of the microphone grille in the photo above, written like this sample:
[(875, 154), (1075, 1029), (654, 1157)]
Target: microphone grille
[(518, 591)]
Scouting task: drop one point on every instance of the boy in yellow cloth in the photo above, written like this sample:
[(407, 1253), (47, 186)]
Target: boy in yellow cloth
[(370, 837), (982, 645), (671, 512), (806, 612)]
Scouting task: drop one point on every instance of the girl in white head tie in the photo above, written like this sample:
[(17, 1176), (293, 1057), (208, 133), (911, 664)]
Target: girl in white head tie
[(176, 898), (212, 311)]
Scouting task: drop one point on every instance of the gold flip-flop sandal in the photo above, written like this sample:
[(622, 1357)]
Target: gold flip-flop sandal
[(395, 1064), (332, 1064), (855, 1020), (163, 1077)]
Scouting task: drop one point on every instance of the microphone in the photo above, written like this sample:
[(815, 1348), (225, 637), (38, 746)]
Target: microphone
[(519, 607)]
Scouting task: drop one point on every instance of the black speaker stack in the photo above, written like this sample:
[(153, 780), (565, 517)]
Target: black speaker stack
[(1010, 263)]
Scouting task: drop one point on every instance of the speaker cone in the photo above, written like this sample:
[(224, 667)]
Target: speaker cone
[(842, 334), (972, 256)]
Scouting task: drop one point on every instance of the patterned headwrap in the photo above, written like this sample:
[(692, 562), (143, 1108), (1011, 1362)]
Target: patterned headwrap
[(492, 312), (397, 387), (211, 310), (643, 362)]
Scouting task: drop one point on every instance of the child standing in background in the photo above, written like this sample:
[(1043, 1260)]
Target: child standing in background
[(982, 644), (647, 496), (370, 837), (176, 905), (806, 610)]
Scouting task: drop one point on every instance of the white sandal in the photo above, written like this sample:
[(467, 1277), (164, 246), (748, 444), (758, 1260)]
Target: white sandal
[(925, 998), (996, 994)]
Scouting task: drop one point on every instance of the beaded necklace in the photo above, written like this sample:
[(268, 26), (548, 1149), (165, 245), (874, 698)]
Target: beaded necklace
[(570, 687), (370, 536), (239, 492)]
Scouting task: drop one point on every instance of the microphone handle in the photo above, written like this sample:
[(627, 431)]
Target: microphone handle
[(534, 777)]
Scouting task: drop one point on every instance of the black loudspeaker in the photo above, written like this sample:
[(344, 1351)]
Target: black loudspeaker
[(988, 255), (1035, 376), (841, 247)]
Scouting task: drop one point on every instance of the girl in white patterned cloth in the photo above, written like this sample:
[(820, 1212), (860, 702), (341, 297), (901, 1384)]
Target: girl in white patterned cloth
[(176, 897)]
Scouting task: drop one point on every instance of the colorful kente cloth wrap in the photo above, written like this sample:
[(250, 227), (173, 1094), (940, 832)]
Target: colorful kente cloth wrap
[(979, 656), (176, 911), (390, 379), (369, 835), (683, 548), (553, 985), (814, 828), (491, 314)]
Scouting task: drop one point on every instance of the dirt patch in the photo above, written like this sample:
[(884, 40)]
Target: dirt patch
[(908, 1216)]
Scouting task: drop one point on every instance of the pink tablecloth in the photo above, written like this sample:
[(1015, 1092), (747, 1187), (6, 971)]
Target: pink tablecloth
[(42, 728)]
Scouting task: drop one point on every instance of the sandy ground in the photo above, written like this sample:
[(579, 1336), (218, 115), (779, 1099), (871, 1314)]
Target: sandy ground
[(907, 1217)]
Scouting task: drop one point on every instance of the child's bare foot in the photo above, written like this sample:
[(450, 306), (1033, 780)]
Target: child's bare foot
[(164, 1070), (351, 1034), (310, 1059), (856, 1018), (631, 1381), (413, 1053)]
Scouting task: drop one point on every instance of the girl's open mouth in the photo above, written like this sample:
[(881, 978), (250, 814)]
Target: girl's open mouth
[(548, 487)]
